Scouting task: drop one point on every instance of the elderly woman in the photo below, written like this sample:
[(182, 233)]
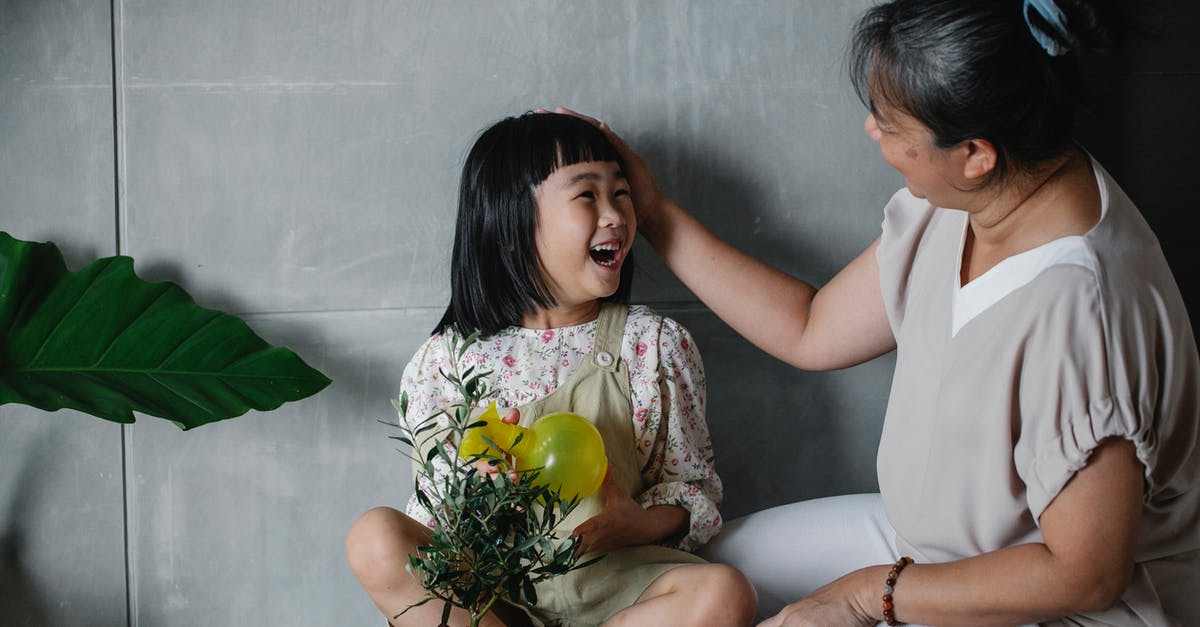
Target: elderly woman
[(1039, 458)]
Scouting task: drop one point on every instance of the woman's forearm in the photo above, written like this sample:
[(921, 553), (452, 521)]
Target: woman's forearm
[(764, 305), (842, 324), (1013, 586), (1083, 565)]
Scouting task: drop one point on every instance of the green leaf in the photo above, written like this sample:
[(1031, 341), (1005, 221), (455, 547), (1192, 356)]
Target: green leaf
[(587, 563), (104, 342), (530, 593)]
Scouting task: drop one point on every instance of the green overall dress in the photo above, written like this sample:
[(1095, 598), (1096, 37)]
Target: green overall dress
[(599, 390)]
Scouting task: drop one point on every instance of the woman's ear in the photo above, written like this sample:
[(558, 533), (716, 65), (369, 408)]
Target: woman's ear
[(980, 159)]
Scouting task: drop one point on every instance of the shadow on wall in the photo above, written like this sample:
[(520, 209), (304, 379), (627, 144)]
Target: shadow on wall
[(1142, 129), (22, 602)]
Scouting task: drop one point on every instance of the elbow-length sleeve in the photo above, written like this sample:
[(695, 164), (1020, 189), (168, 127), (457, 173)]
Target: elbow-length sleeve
[(428, 393), (673, 435)]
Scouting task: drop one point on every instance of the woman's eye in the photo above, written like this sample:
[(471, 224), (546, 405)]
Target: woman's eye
[(622, 192), (588, 195)]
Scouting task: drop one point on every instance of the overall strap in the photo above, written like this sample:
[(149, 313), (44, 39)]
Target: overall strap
[(610, 332)]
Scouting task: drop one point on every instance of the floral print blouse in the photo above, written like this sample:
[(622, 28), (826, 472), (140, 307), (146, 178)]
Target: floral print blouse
[(667, 390)]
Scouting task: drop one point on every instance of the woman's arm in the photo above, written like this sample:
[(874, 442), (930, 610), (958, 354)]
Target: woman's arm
[(839, 325), (1084, 564)]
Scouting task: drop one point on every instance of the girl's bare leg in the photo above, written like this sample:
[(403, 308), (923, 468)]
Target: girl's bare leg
[(378, 547), (713, 595)]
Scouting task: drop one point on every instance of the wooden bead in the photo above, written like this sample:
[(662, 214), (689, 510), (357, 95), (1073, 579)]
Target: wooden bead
[(889, 615)]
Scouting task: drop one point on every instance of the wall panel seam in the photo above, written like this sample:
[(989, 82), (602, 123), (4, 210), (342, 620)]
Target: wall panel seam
[(116, 39)]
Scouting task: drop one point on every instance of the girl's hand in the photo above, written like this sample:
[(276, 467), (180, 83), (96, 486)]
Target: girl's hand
[(648, 199), (839, 603), (485, 467), (624, 523)]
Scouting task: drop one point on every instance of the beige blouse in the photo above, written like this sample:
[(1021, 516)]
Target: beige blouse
[(1005, 386)]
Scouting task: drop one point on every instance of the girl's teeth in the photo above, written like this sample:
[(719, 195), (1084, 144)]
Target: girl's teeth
[(604, 255)]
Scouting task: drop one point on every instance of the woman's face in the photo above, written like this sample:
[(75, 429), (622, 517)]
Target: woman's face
[(907, 145), (585, 229)]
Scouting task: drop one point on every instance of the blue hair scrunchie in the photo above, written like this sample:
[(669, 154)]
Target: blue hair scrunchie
[(1055, 18)]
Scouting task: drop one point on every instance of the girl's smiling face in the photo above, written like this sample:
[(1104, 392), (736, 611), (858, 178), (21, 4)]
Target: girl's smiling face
[(585, 229)]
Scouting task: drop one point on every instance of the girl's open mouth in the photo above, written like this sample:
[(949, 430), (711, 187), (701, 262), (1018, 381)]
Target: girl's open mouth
[(605, 254)]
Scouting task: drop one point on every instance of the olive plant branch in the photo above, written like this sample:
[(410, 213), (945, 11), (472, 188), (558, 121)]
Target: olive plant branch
[(493, 533)]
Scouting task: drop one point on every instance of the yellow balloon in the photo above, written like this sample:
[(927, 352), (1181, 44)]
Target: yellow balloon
[(566, 447)]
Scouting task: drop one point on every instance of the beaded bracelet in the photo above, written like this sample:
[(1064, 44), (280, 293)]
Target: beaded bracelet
[(889, 615)]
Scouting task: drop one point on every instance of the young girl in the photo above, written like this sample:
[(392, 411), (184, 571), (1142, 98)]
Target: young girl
[(541, 269)]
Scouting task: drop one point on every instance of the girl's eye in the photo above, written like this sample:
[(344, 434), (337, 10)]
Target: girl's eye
[(622, 192), (588, 195)]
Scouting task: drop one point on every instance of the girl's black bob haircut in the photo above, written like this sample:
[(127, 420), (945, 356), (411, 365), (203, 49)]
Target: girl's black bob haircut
[(496, 276), (973, 70)]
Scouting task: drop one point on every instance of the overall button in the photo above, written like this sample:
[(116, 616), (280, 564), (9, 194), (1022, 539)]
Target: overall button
[(604, 358)]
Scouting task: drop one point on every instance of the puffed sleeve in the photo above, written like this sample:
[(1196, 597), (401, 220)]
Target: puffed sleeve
[(1067, 404), (428, 392), (675, 439)]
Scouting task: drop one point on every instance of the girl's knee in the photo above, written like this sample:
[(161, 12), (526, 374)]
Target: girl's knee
[(380, 541), (717, 594), (733, 590)]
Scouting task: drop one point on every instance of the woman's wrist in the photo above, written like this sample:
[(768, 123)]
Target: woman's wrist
[(868, 597), (658, 222)]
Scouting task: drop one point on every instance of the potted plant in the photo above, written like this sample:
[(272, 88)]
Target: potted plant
[(493, 534)]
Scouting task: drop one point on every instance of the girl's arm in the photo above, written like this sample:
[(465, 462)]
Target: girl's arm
[(842, 324), (623, 522), (428, 392), (1083, 565), (680, 470), (680, 505)]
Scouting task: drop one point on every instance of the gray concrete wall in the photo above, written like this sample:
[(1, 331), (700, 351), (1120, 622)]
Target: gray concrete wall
[(295, 163)]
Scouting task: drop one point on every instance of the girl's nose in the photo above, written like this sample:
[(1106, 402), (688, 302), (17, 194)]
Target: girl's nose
[(871, 127), (610, 213)]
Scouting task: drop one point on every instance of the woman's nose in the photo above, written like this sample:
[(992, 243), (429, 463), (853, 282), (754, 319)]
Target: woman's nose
[(871, 127)]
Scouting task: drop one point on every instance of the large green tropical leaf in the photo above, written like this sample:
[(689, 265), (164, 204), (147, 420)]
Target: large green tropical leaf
[(105, 342)]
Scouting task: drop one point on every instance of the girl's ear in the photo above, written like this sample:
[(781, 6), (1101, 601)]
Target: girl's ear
[(980, 158)]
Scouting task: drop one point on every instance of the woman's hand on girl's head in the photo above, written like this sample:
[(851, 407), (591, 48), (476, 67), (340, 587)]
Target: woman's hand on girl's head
[(648, 199)]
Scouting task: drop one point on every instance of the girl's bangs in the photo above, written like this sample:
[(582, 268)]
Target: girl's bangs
[(556, 140)]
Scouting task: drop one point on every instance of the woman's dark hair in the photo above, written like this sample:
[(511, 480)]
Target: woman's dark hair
[(973, 69), (495, 274)]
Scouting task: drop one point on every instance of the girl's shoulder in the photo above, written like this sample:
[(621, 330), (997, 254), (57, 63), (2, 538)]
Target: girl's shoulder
[(433, 348), (646, 330), (643, 321), (642, 317)]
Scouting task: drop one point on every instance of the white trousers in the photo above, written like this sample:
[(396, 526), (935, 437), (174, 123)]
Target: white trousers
[(791, 550)]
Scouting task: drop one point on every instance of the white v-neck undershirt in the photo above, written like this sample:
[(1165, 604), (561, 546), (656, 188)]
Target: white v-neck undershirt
[(1011, 274), (1004, 278)]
